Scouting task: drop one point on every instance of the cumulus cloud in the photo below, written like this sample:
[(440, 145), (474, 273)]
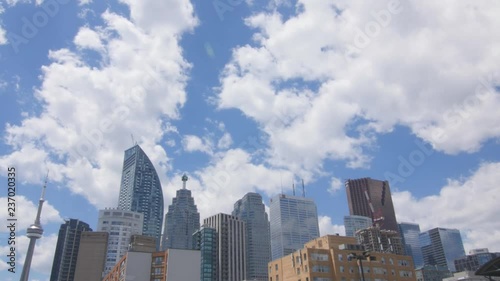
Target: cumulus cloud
[(89, 112), (380, 66), (469, 204), (326, 227), (227, 178), (193, 143), (335, 185), (26, 211)]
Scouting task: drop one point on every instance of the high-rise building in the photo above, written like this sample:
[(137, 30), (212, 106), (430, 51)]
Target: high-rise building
[(231, 263), (120, 225), (375, 239), (91, 256), (372, 198), (294, 221), (140, 191), (181, 221), (68, 244), (442, 246), (251, 210), (205, 240), (355, 223), (474, 260), (410, 234), (332, 257)]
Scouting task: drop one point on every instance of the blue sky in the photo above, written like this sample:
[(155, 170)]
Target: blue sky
[(252, 96)]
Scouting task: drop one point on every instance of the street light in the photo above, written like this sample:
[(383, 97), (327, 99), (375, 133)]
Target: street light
[(360, 258)]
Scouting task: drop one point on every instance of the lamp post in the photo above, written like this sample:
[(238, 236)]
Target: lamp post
[(359, 260)]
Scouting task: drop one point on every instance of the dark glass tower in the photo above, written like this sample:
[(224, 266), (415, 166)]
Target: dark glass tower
[(250, 209), (140, 191), (372, 198), (68, 244), (205, 240), (181, 220)]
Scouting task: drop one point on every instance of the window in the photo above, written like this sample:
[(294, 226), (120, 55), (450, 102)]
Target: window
[(305, 257), (276, 267), (341, 268), (320, 268), (340, 257), (319, 257), (391, 261), (298, 271)]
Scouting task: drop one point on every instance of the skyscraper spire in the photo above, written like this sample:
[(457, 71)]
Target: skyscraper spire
[(184, 180), (34, 232)]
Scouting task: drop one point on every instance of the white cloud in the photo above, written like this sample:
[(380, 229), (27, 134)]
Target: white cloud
[(193, 143), (42, 257), (25, 212), (225, 141), (88, 38), (335, 185), (89, 112), (469, 204), (230, 175), (326, 227), (397, 77)]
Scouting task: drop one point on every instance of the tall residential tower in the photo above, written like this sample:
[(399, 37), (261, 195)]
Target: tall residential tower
[(140, 191), (68, 244)]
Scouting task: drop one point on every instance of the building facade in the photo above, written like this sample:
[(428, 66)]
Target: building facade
[(372, 198), (442, 246), (231, 260), (251, 210), (67, 247), (141, 191), (181, 221), (474, 260), (205, 240), (170, 265), (355, 223), (294, 221), (120, 225), (328, 258), (410, 234), (432, 273), (375, 239), (91, 256)]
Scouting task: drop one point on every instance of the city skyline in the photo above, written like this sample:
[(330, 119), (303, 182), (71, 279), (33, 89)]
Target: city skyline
[(251, 96)]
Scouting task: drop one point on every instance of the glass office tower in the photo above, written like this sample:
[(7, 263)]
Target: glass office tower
[(442, 246), (410, 233), (294, 221), (251, 210), (355, 223), (140, 191)]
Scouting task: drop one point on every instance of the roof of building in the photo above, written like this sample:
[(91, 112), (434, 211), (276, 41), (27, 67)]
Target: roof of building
[(491, 268)]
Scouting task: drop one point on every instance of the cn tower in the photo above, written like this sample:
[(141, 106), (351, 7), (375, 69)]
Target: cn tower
[(34, 232)]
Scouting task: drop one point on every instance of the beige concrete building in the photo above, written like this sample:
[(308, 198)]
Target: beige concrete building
[(327, 259), (91, 256), (170, 265)]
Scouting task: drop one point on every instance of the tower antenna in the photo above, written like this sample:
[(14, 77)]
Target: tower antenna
[(293, 187), (281, 179), (133, 141), (184, 180)]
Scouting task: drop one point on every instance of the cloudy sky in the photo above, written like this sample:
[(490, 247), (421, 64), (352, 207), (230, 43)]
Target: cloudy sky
[(252, 95)]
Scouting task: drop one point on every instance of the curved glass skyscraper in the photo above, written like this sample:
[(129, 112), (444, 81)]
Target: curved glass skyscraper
[(140, 191)]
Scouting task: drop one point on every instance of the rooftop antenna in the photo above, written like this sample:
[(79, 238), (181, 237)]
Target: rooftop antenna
[(303, 189), (293, 187), (184, 180), (133, 141), (281, 179)]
